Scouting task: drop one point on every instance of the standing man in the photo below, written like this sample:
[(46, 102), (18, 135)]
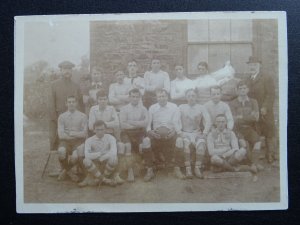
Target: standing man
[(104, 112), (261, 88), (163, 128), (133, 121), (60, 90), (155, 79), (72, 131), (193, 117), (215, 107), (133, 79), (118, 92), (179, 86)]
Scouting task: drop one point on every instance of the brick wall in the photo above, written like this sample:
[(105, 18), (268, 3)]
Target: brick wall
[(114, 43)]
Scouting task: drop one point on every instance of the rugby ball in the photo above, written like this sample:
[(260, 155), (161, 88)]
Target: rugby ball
[(162, 131)]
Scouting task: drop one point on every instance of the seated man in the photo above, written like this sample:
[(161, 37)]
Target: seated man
[(215, 106), (155, 79), (246, 114), (118, 92), (193, 116), (179, 86), (163, 127), (223, 146), (72, 131), (133, 121), (104, 112), (100, 149)]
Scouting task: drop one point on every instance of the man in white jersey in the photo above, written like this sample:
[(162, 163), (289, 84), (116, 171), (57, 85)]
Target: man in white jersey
[(133, 79), (179, 86)]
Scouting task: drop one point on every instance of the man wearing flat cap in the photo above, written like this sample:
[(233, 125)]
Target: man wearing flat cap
[(60, 90), (261, 88)]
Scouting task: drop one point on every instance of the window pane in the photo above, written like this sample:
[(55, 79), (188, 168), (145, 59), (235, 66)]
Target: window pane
[(218, 54), (241, 30), (197, 30), (219, 30), (196, 54), (239, 56)]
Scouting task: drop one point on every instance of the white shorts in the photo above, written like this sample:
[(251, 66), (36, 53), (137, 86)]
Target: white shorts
[(194, 137)]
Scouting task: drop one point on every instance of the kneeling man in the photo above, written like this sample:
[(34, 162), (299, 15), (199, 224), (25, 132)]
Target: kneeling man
[(223, 146), (100, 149)]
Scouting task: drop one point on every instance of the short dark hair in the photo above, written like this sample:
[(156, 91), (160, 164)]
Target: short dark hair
[(99, 123), (134, 91), (216, 87), (220, 115), (101, 94), (242, 83), (189, 90), (71, 96), (161, 90)]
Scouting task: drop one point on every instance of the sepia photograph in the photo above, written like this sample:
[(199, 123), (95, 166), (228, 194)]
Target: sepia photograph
[(151, 112)]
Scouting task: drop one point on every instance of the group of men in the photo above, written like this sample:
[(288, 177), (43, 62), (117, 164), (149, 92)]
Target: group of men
[(99, 132)]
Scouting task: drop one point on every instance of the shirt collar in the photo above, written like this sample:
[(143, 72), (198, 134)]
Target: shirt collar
[(243, 100)]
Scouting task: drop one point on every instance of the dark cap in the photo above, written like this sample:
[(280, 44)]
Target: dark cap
[(66, 65), (253, 59)]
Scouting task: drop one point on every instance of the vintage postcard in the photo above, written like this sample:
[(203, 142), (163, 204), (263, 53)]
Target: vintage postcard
[(151, 112)]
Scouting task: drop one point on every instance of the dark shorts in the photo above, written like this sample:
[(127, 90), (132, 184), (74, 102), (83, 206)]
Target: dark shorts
[(71, 145), (249, 134)]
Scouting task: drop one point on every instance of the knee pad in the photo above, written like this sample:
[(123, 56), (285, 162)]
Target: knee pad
[(74, 157), (87, 163), (200, 147), (121, 148), (146, 143), (179, 142), (127, 148), (62, 153)]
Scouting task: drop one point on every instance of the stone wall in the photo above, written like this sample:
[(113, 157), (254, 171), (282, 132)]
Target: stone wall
[(114, 43)]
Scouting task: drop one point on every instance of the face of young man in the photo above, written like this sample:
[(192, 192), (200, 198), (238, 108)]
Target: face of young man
[(202, 70), (179, 71), (254, 68), (162, 98), (132, 68), (71, 104), (243, 90), (221, 123), (191, 97), (102, 102), (135, 98), (99, 131), (155, 65), (120, 77), (96, 75), (215, 95), (66, 72)]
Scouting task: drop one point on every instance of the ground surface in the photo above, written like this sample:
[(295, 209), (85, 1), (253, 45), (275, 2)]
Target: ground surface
[(164, 188)]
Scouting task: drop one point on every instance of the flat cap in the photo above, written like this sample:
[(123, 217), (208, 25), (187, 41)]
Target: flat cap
[(253, 59), (66, 64)]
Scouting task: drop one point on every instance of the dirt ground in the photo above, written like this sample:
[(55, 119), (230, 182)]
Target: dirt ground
[(164, 187)]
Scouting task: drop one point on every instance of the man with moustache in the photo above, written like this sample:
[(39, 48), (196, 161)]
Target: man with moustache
[(261, 88)]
